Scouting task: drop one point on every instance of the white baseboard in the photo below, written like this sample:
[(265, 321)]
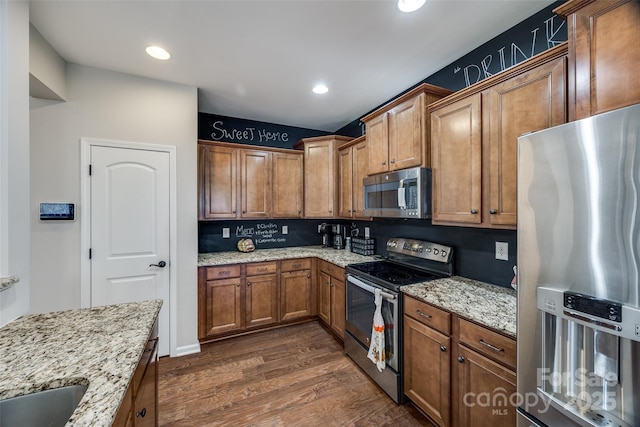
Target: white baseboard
[(188, 349)]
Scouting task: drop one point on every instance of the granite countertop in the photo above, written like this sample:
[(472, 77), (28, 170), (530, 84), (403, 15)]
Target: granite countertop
[(99, 347), (486, 304), (336, 256)]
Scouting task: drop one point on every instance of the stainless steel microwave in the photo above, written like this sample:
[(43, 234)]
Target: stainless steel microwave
[(401, 194)]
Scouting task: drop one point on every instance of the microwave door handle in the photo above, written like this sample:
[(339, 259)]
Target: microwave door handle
[(402, 202)]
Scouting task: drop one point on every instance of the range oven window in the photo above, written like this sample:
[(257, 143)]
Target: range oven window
[(360, 310)]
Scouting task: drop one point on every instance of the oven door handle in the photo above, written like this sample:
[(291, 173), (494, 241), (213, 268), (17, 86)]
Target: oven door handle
[(359, 283)]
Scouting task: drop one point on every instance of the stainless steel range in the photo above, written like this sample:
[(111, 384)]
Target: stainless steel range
[(409, 262)]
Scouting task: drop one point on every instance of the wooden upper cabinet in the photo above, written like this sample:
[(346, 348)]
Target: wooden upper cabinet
[(529, 102), (406, 133), (474, 139), (255, 183), (398, 133), (353, 162), (378, 142), (218, 182), (241, 181), (321, 175), (457, 161), (604, 53), (287, 185)]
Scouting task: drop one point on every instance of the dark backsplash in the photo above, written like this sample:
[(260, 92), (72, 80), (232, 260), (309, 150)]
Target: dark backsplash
[(474, 255)]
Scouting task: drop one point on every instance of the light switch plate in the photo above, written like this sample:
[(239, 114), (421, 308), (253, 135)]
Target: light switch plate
[(225, 233), (285, 229), (502, 251)]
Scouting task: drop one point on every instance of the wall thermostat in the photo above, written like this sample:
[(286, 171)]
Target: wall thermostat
[(57, 211)]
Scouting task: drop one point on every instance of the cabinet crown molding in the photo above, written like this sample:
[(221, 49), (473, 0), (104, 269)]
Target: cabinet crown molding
[(422, 88)]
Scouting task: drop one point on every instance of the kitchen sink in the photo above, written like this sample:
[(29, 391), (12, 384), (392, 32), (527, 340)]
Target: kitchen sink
[(49, 408)]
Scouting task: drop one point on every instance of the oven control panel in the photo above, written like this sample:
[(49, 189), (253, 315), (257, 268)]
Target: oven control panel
[(420, 249)]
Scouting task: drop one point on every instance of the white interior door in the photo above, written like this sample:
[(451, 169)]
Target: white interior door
[(130, 212)]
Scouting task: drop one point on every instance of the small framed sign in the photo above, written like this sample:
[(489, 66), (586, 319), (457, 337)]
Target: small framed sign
[(57, 211)]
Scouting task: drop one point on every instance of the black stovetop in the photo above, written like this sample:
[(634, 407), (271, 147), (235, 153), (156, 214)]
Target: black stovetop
[(389, 274)]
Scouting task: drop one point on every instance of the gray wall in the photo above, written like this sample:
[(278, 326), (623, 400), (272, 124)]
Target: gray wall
[(109, 105)]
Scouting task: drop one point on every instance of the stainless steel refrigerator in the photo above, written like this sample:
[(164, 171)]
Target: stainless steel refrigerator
[(579, 272)]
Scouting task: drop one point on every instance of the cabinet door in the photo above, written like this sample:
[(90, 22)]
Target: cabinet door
[(345, 170), (218, 182), (377, 130), (287, 185), (605, 53), (324, 297), (338, 306), (295, 294), (456, 157), (223, 306), (427, 366), (145, 405), (406, 122), (360, 162), (529, 102), (319, 180), (255, 183), (262, 300), (485, 390)]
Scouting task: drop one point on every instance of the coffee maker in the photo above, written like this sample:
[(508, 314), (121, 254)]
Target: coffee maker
[(327, 234), (338, 236)]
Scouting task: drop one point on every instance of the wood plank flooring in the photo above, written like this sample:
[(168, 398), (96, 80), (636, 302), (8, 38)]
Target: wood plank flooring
[(293, 376)]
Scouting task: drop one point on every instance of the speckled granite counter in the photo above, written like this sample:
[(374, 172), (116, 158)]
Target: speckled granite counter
[(486, 304), (100, 347), (335, 256)]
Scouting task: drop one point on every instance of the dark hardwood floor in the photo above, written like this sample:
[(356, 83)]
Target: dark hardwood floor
[(293, 376)]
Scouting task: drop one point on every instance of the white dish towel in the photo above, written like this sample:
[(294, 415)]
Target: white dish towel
[(376, 346)]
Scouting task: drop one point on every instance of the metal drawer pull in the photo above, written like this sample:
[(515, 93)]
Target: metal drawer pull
[(492, 347), (425, 315)]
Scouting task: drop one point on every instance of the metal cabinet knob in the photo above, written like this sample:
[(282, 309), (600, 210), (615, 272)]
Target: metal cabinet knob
[(474, 211), (141, 413), (248, 283), (392, 161), (161, 264), (443, 348), (493, 211), (460, 359), (384, 163)]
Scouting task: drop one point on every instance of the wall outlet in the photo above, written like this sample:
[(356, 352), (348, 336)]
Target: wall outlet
[(225, 233), (638, 330), (502, 251), (366, 233), (285, 229)]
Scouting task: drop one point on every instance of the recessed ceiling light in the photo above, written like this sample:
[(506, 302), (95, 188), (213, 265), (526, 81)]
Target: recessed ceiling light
[(320, 89), (410, 5), (158, 53)]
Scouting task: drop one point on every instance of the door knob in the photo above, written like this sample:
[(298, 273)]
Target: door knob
[(161, 264)]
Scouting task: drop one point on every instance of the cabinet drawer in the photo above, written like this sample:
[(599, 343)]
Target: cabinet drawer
[(223, 272), (147, 354), (488, 343), (256, 269), (427, 314), (331, 269), (295, 264)]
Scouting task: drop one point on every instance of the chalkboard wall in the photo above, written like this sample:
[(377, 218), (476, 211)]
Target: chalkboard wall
[(214, 127)]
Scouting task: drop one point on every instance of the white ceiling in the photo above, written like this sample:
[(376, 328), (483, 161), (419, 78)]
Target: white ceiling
[(259, 59)]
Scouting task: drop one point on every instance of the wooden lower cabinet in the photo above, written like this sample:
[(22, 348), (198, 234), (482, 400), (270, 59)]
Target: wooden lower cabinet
[(427, 367), (261, 300), (139, 408), (456, 372), (332, 297), (296, 290), (235, 299), (478, 378)]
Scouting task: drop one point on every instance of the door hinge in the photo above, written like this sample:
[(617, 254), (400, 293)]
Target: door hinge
[(89, 170), (89, 253)]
